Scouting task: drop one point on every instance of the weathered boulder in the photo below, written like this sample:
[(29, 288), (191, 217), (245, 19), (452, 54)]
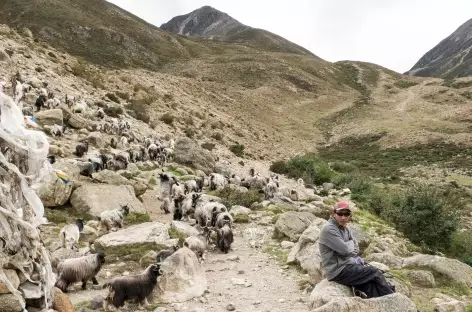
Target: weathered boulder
[(72, 169), (95, 139), (184, 227), (54, 192), (31, 291), (421, 278), (183, 278), (445, 303), (136, 240), (10, 303), (363, 238), (13, 278), (334, 297), (49, 117), (4, 57), (239, 210), (453, 269), (292, 224), (306, 251), (114, 178), (62, 254), (62, 303), (96, 198), (386, 258), (187, 152), (88, 234), (148, 259)]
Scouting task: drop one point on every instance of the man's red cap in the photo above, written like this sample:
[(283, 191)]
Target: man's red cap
[(341, 205)]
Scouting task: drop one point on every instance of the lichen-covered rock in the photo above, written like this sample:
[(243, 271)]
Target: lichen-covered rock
[(14, 280), (136, 239), (49, 117), (183, 278), (187, 152), (421, 278), (452, 269), (334, 297), (292, 224), (96, 198), (9, 303)]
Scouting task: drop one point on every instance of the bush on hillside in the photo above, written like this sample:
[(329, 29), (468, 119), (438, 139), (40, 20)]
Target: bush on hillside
[(360, 185), (237, 149), (427, 215), (310, 168), (231, 197)]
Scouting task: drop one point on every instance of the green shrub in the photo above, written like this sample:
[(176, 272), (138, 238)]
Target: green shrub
[(217, 136), (113, 111), (136, 218), (343, 167), (359, 185), (404, 84), (140, 110), (237, 149), (231, 197), (189, 132), (113, 97), (167, 118), (427, 215), (123, 95), (241, 218), (460, 247), (309, 167), (208, 146)]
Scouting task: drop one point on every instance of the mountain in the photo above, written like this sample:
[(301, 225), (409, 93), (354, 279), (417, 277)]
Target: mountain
[(210, 23), (451, 58)]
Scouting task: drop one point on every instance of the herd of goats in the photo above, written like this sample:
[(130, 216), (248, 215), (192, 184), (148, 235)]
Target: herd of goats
[(186, 203), (184, 200)]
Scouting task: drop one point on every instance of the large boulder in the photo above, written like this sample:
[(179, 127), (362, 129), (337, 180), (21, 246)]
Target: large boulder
[(54, 192), (362, 237), (96, 198), (14, 280), (62, 254), (292, 224), (187, 152), (387, 258), (306, 252), (49, 117), (62, 303), (183, 277), (135, 240), (95, 139), (114, 178), (184, 228), (452, 269), (334, 297), (10, 303)]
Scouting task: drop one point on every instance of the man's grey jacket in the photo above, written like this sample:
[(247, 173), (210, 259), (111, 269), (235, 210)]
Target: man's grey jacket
[(337, 248)]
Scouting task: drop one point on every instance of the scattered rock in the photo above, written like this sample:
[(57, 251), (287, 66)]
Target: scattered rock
[(49, 117), (94, 199), (453, 269), (421, 278), (95, 139), (13, 278), (10, 303), (4, 57), (239, 210), (134, 239), (306, 251), (148, 259), (379, 266), (62, 303), (97, 302), (445, 303), (292, 224), (334, 297), (187, 152), (27, 33), (230, 307), (184, 227), (287, 244), (183, 277), (238, 281)]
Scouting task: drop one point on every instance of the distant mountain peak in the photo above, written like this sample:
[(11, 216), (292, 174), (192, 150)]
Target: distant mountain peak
[(205, 22), (209, 22), (450, 58)]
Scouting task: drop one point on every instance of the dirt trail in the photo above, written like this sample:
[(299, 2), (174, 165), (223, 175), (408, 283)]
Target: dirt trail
[(248, 278)]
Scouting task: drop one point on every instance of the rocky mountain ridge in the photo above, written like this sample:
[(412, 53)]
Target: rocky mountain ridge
[(450, 58)]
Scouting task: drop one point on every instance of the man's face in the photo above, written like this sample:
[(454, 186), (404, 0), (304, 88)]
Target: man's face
[(343, 216)]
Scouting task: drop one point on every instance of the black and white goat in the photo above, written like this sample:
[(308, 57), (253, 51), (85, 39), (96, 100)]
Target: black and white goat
[(70, 234), (79, 269), (199, 243), (81, 149), (133, 287), (224, 237), (112, 219)]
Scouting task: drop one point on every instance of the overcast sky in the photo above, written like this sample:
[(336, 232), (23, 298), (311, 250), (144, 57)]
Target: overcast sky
[(391, 33)]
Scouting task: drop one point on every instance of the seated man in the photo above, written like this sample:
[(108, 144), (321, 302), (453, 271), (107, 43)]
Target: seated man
[(339, 249)]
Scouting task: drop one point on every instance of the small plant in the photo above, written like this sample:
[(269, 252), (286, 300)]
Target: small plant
[(167, 118), (231, 197), (217, 136), (188, 121), (140, 110), (113, 111), (189, 132), (404, 84), (237, 149), (136, 218), (241, 218), (113, 97), (208, 146), (123, 95)]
